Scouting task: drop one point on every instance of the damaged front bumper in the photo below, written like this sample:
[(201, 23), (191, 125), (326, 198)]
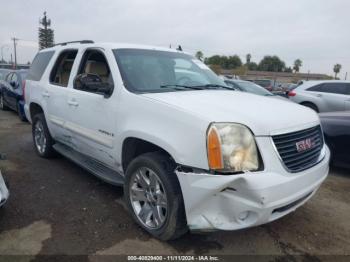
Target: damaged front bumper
[(231, 202), (4, 193)]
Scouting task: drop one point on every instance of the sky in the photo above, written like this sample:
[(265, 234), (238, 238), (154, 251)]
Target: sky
[(315, 31)]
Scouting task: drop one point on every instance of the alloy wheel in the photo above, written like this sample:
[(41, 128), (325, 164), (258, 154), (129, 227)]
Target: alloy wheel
[(39, 137), (148, 198)]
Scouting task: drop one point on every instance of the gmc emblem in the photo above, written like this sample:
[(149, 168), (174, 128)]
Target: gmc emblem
[(304, 145)]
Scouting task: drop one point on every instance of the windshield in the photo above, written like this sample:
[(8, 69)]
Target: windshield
[(159, 71), (253, 88)]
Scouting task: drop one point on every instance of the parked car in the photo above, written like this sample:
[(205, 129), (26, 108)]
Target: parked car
[(11, 92), (323, 96), (3, 73), (268, 84), (191, 154), (246, 86), (4, 192), (336, 128)]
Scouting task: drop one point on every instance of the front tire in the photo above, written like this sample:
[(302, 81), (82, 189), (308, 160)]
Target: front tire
[(43, 141), (153, 196)]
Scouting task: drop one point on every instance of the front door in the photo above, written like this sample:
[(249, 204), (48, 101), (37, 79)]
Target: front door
[(91, 119)]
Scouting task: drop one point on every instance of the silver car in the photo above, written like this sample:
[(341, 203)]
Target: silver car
[(323, 96), (4, 193)]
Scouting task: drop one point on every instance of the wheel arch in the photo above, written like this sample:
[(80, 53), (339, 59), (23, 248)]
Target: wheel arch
[(35, 108), (305, 103), (133, 147)]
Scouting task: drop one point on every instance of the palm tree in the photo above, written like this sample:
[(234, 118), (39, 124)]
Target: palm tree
[(336, 69), (248, 57), (199, 55), (297, 64)]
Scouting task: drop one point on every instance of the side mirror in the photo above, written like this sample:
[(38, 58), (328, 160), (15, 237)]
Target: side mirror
[(92, 83)]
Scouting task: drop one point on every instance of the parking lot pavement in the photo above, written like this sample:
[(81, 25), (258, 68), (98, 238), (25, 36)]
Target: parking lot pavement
[(56, 207)]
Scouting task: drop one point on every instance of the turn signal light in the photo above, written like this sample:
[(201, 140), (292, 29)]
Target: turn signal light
[(214, 150)]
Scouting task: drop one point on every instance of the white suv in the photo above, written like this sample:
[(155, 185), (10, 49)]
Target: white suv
[(190, 152)]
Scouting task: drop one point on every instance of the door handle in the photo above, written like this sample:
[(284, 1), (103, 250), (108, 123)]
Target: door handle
[(46, 94), (73, 103)]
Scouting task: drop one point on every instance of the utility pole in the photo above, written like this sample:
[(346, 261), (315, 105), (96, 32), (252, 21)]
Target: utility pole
[(14, 39), (346, 75)]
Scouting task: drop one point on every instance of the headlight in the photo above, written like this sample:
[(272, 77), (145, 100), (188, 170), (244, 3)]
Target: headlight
[(231, 148)]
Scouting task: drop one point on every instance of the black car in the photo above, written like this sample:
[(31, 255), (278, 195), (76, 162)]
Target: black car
[(336, 128), (12, 93)]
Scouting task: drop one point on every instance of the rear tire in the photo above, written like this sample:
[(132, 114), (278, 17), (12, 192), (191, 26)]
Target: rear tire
[(310, 105), (42, 139), (159, 211), (3, 107)]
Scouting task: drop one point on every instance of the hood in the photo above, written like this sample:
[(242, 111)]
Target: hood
[(263, 115)]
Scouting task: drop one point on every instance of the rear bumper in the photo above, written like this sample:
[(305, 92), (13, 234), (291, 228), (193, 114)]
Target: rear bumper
[(231, 202), (4, 193)]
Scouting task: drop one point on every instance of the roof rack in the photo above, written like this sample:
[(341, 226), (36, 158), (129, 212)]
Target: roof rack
[(72, 42)]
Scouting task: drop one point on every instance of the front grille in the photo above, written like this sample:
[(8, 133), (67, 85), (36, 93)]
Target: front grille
[(286, 145)]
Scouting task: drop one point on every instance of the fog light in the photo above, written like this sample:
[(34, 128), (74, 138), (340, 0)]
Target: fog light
[(243, 216)]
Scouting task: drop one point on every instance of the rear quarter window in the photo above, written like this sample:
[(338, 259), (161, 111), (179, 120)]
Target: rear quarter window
[(39, 65)]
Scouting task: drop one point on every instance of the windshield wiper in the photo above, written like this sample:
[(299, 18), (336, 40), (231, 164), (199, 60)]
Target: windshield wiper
[(215, 85), (183, 86)]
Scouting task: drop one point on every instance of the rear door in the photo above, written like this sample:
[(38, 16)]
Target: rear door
[(92, 118), (334, 96), (56, 94)]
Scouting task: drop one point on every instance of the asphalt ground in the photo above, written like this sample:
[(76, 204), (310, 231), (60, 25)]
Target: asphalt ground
[(58, 210)]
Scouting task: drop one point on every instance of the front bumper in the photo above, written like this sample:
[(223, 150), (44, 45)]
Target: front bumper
[(4, 193), (231, 202)]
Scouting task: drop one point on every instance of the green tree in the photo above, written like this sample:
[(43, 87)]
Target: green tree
[(271, 64), (213, 60), (199, 55), (253, 66), (46, 34), (297, 64), (336, 69), (248, 57), (226, 62), (288, 70)]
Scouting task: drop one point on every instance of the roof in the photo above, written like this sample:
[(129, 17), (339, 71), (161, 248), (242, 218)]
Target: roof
[(307, 84), (110, 45)]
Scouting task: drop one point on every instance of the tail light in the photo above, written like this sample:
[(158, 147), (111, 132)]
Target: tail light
[(24, 89), (292, 93)]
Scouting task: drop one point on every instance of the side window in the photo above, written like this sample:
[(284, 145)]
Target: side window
[(14, 78), (62, 68), (39, 65), (347, 89), (8, 77), (334, 88), (94, 74), (316, 88)]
